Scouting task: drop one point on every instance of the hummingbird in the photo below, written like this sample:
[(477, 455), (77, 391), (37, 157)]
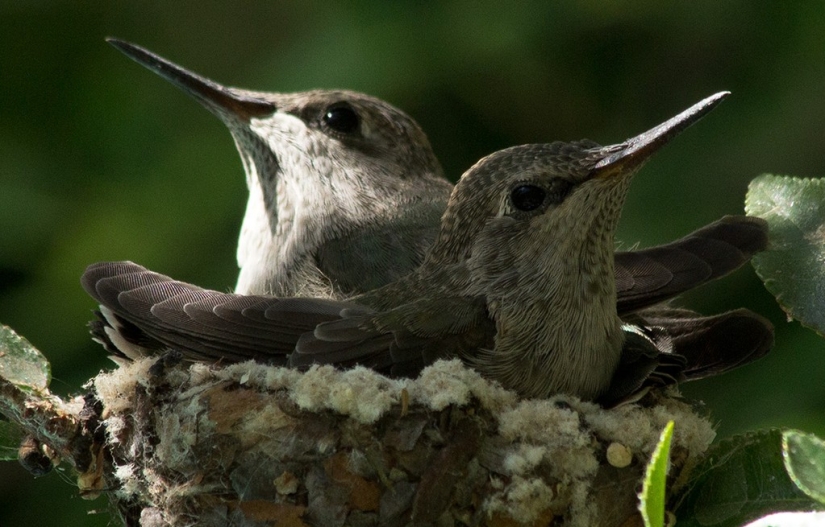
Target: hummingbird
[(520, 283), (345, 191)]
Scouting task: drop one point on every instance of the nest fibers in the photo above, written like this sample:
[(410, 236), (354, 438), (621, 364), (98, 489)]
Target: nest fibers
[(253, 445)]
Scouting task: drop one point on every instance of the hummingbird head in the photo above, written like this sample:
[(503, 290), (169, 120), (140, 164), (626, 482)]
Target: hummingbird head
[(347, 128), (319, 165), (548, 193)]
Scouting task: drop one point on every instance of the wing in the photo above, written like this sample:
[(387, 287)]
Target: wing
[(665, 345), (647, 361), (716, 344), (400, 341), (143, 311), (650, 276), (373, 256)]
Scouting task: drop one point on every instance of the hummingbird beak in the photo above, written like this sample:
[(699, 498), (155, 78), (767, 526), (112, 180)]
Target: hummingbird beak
[(627, 157), (222, 101)]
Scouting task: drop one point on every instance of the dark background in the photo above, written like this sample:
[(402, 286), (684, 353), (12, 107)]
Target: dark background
[(102, 160)]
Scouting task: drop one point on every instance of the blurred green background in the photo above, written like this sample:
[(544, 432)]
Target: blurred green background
[(102, 160)]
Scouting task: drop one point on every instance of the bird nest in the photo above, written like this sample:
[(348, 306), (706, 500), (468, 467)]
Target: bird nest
[(254, 445)]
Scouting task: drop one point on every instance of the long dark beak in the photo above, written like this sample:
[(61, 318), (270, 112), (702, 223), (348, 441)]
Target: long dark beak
[(628, 156), (222, 101)]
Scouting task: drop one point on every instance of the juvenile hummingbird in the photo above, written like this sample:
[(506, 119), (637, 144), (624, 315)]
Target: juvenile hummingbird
[(345, 191), (519, 283), (345, 195)]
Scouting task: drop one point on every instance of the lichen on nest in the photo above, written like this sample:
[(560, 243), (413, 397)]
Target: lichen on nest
[(249, 444)]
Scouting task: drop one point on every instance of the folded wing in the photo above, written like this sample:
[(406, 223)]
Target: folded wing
[(650, 276)]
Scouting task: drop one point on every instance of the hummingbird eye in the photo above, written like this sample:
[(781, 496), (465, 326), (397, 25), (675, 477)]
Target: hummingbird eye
[(527, 197), (341, 118)]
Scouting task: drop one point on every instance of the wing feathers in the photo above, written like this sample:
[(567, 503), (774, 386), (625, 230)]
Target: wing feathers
[(650, 276)]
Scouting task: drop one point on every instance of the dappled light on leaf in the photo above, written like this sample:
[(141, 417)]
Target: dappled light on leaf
[(20, 363), (804, 456), (793, 268)]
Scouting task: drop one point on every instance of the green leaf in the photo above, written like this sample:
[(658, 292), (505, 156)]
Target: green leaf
[(10, 437), (652, 497), (741, 479), (792, 268), (20, 363), (804, 456)]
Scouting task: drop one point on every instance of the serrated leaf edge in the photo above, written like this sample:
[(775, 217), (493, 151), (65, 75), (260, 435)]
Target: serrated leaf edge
[(656, 468)]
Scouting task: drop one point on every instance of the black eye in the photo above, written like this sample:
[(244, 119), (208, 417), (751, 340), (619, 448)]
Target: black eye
[(342, 118), (527, 197)]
